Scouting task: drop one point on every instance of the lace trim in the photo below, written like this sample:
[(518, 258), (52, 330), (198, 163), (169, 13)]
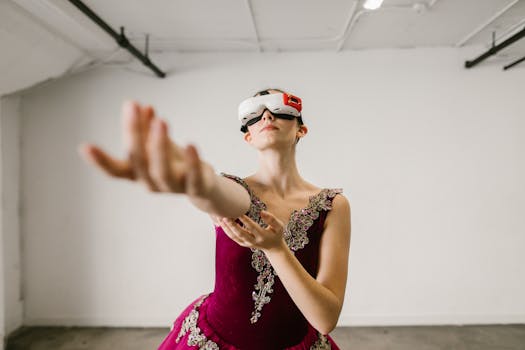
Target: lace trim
[(196, 337), (254, 212), (322, 343), (295, 235)]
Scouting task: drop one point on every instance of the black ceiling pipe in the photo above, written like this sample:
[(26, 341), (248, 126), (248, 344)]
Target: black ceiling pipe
[(494, 49), (514, 63), (119, 38)]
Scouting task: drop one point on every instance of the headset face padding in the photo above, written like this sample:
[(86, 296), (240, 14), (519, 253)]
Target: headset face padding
[(284, 105)]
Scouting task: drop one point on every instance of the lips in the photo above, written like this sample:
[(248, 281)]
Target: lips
[(269, 127)]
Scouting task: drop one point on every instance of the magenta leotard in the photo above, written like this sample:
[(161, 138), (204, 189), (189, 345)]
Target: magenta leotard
[(249, 308)]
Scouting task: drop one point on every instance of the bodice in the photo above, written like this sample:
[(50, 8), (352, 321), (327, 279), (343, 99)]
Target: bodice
[(250, 306)]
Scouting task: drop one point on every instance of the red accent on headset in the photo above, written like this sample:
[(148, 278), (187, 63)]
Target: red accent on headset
[(293, 101)]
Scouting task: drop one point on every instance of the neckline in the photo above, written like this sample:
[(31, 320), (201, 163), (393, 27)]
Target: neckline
[(294, 211)]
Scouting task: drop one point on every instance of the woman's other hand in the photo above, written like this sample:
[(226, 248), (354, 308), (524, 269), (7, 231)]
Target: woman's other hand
[(252, 235)]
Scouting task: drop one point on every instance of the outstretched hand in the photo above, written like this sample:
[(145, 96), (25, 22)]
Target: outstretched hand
[(152, 158), (252, 235)]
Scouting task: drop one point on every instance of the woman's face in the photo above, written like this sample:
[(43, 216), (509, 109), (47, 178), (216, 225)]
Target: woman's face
[(271, 132)]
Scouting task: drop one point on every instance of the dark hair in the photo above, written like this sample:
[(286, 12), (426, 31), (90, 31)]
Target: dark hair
[(266, 92)]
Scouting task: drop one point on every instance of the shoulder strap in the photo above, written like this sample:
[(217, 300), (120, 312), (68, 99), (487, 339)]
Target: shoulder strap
[(256, 204), (239, 181), (325, 202)]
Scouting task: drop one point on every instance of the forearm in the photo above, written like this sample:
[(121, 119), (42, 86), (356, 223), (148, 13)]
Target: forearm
[(225, 198), (318, 304)]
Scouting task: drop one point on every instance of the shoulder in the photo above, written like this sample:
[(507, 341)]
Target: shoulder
[(340, 201), (340, 208)]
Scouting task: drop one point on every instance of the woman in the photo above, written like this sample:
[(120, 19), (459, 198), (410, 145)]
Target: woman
[(281, 271)]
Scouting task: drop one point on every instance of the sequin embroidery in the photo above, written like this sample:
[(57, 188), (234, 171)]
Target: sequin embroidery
[(295, 235), (322, 343), (196, 338)]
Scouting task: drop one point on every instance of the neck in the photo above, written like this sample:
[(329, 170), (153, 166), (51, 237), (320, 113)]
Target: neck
[(278, 171)]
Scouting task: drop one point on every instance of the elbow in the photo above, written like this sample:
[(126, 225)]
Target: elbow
[(327, 327), (328, 322)]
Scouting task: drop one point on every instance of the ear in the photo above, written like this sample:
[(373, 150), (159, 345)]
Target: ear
[(303, 130), (247, 137)]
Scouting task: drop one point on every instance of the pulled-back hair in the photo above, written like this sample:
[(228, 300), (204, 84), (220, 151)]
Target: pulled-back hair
[(267, 91)]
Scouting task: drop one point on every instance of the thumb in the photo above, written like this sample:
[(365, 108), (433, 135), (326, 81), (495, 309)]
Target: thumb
[(271, 220)]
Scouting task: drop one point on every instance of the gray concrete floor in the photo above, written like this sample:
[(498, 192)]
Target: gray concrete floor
[(497, 337)]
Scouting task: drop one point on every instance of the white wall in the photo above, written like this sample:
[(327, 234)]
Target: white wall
[(10, 253), (31, 52), (2, 277), (2, 293), (429, 154)]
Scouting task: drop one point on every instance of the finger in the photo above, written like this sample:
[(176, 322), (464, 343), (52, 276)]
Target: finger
[(105, 162), (228, 231), (271, 220), (240, 233), (177, 153), (157, 151), (216, 220), (256, 231), (194, 180), (148, 115), (132, 117), (249, 224)]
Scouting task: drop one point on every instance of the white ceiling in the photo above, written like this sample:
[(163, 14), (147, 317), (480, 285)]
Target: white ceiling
[(41, 39)]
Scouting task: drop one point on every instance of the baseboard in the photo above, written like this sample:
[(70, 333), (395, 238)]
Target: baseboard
[(345, 320), (364, 320), (11, 334), (99, 322)]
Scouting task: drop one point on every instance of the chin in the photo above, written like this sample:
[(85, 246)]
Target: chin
[(272, 144)]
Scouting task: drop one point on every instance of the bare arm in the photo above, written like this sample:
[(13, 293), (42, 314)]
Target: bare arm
[(225, 197), (163, 166)]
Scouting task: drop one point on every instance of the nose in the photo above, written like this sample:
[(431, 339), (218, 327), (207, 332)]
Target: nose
[(268, 115)]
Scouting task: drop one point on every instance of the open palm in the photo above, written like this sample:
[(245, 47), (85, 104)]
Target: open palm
[(152, 158)]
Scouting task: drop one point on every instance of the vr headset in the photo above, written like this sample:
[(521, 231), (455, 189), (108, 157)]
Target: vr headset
[(284, 106)]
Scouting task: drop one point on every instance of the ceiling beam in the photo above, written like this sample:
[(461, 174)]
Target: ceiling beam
[(252, 17), (514, 63), (486, 23), (355, 15)]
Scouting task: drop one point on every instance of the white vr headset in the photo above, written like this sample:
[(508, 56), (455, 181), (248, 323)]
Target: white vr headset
[(281, 105)]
